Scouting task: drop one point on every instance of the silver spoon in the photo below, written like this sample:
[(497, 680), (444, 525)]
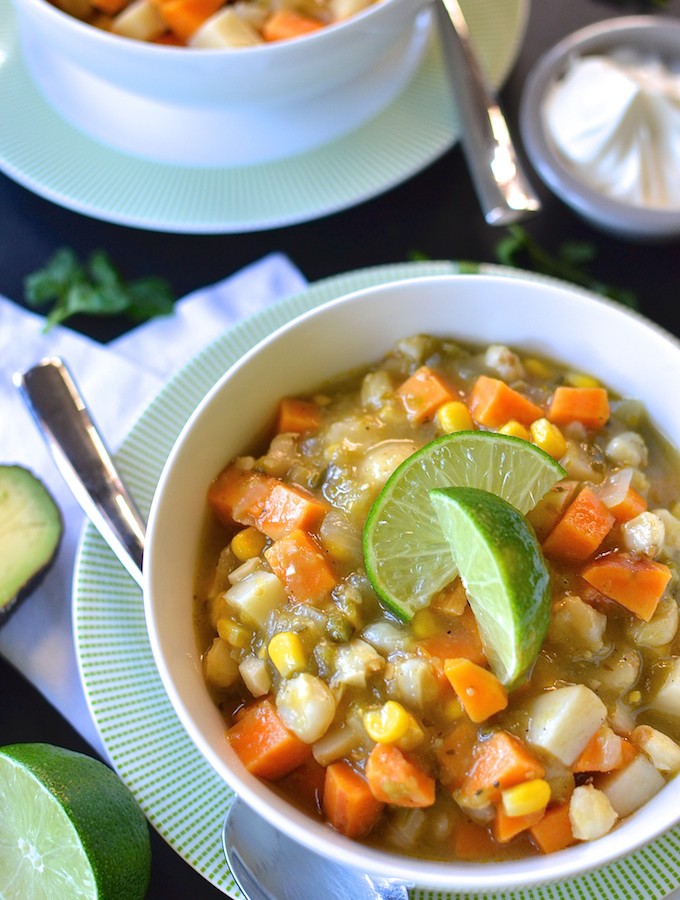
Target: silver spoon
[(505, 193), (265, 863)]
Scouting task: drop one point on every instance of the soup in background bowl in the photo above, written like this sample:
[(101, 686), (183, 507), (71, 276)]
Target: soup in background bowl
[(222, 106), (539, 321)]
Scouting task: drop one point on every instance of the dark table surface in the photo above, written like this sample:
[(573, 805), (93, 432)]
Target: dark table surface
[(434, 213)]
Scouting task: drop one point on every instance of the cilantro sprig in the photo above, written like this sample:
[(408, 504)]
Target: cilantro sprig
[(569, 263), (96, 288)]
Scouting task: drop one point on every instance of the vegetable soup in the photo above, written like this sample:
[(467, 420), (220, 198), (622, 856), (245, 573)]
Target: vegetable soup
[(212, 24), (395, 729)]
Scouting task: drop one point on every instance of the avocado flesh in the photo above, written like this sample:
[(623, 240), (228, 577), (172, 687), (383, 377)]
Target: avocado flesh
[(31, 528)]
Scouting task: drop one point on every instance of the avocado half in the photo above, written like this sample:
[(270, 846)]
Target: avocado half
[(31, 528)]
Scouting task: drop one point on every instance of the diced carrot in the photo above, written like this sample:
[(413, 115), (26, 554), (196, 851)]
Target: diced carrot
[(480, 693), (297, 416), (290, 507), (553, 832), (306, 783), (501, 761), (473, 842), (636, 582), (506, 827), (423, 393), (263, 743), (396, 779), (252, 498), (286, 23), (348, 802), (455, 753), (493, 403), (551, 506), (606, 751), (239, 495), (587, 405), (581, 530), (184, 17), (630, 506), (302, 566), (461, 639)]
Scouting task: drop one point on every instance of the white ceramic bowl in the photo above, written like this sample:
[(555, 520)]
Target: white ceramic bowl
[(538, 316), (654, 35), (200, 107)]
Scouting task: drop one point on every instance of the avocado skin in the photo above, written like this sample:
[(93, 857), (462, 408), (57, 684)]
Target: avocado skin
[(26, 507)]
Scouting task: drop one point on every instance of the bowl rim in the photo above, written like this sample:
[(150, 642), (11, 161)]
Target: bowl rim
[(529, 872), (148, 49), (543, 156)]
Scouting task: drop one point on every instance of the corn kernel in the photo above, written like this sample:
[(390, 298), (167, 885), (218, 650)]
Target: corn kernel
[(579, 380), (233, 632), (248, 543), (549, 438), (537, 368), (454, 416), (387, 724), (425, 624), (515, 429), (634, 697), (526, 798), (287, 653)]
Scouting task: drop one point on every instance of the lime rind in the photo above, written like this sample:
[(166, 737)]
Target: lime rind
[(504, 574), (407, 556)]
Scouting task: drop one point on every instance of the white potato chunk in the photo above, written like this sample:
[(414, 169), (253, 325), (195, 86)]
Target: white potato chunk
[(619, 673), (307, 706), (219, 666), (645, 534), (339, 742), (629, 788), (225, 29), (141, 20), (667, 698), (590, 813), (627, 449), (255, 596), (255, 675), (562, 721), (659, 747)]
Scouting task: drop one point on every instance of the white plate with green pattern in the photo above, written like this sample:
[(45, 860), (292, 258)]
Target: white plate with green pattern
[(179, 791), (50, 157)]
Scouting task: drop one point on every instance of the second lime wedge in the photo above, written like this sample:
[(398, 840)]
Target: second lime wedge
[(504, 574), (407, 555)]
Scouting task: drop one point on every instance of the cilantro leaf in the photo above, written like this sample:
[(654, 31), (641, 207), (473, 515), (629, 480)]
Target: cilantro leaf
[(94, 288)]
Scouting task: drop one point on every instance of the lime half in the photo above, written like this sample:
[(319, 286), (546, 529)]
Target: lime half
[(407, 555), (504, 574), (69, 828)]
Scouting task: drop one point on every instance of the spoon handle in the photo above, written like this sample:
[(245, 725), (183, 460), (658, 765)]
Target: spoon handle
[(503, 189), (83, 460)]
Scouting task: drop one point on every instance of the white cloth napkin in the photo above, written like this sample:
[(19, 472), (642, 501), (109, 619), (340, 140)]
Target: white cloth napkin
[(117, 381)]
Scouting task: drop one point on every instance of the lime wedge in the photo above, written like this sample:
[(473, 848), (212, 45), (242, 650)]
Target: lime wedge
[(504, 574), (407, 556), (69, 829)]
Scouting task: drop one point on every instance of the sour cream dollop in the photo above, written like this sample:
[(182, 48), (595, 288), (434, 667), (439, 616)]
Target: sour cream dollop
[(615, 120)]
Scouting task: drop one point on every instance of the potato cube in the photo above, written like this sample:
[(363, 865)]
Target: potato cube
[(562, 721), (628, 789), (667, 699)]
